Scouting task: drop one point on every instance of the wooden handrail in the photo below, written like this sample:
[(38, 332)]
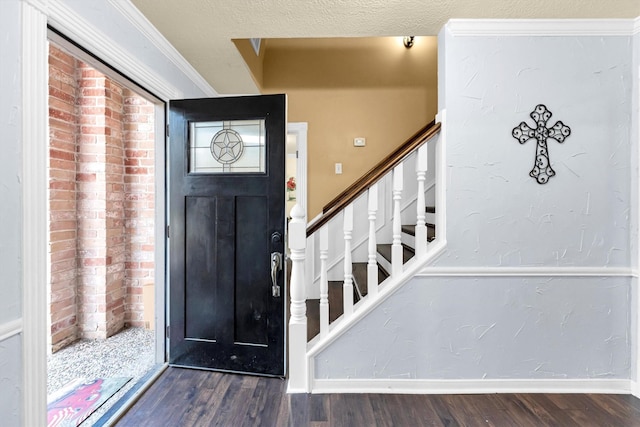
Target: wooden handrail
[(373, 175)]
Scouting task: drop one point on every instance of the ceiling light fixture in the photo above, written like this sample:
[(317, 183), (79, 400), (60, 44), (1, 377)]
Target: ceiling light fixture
[(408, 41)]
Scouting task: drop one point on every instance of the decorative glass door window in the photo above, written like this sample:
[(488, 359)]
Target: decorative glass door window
[(235, 146)]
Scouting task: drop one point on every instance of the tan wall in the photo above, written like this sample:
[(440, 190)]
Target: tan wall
[(346, 88)]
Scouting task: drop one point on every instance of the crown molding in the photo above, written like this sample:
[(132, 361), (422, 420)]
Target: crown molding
[(542, 27), (66, 20), (138, 20)]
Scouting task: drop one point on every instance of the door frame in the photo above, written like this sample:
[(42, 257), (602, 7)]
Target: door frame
[(36, 16), (299, 129), (159, 179)]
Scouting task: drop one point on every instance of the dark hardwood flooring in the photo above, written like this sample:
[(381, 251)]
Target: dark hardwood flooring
[(184, 397)]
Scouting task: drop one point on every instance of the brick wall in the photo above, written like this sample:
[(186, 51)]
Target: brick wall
[(139, 203), (115, 216), (92, 135), (62, 197), (101, 202)]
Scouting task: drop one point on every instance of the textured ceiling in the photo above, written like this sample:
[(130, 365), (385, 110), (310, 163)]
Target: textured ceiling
[(202, 29)]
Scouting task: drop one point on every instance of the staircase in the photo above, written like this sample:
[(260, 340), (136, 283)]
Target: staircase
[(359, 271), (370, 240)]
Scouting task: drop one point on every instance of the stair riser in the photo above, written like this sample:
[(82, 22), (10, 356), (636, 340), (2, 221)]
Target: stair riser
[(409, 240)]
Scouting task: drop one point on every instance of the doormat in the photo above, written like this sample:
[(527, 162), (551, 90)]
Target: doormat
[(74, 402)]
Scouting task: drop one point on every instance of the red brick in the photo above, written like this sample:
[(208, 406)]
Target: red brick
[(64, 155)]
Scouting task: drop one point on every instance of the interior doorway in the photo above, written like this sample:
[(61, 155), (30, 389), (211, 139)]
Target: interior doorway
[(296, 167), (101, 227)]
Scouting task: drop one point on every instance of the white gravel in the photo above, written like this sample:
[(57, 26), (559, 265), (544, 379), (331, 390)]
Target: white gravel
[(129, 353)]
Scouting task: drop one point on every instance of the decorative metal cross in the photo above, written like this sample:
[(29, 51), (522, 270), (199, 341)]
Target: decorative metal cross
[(542, 167)]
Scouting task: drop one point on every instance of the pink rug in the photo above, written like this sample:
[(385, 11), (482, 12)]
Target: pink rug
[(74, 402)]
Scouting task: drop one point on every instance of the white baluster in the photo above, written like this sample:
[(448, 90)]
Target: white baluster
[(324, 283), (372, 265), (396, 247), (421, 228), (298, 376), (347, 288)]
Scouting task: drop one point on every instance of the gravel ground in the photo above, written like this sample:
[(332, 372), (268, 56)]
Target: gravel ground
[(129, 353)]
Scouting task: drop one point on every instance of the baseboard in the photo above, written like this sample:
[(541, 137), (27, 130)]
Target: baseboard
[(478, 386), (635, 389)]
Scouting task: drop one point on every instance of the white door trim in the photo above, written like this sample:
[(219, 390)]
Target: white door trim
[(35, 117), (35, 17)]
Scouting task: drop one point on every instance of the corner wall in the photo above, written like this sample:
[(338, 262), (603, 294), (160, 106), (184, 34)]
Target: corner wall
[(634, 212), (535, 283)]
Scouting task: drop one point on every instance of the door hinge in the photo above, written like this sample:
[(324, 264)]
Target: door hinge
[(168, 336), (296, 154), (168, 231), (167, 130)]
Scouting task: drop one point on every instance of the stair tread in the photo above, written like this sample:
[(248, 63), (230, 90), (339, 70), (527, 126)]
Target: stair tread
[(411, 230), (430, 209), (385, 251)]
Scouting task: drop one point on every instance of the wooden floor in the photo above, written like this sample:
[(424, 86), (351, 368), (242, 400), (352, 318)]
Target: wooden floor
[(183, 397)]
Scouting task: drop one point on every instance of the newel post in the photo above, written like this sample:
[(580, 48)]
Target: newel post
[(298, 377)]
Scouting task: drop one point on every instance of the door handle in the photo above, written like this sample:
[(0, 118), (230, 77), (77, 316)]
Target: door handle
[(276, 266)]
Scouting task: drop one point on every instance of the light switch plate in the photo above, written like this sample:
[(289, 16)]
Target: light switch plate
[(359, 142), (338, 168)]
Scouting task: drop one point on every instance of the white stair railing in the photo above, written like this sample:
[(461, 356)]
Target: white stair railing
[(299, 380)]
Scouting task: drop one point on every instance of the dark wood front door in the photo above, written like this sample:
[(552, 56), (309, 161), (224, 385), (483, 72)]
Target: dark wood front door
[(226, 239)]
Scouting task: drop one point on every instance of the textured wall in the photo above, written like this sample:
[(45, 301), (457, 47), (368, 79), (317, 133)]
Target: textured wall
[(11, 380), (634, 212), (10, 214), (10, 161), (469, 328), (498, 216)]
